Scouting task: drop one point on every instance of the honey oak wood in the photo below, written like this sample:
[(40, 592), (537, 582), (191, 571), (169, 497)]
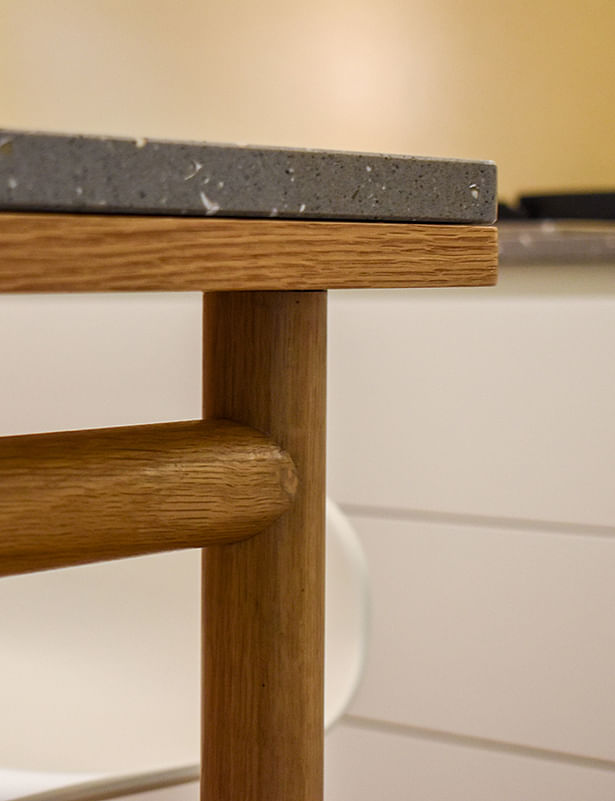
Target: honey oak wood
[(263, 625), (96, 253), (84, 496)]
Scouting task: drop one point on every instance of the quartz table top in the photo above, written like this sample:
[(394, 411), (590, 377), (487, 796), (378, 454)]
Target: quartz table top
[(98, 174)]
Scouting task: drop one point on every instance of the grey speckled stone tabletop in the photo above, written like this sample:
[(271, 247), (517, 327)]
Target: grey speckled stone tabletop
[(95, 174)]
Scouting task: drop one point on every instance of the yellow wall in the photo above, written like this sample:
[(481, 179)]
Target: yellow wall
[(528, 84)]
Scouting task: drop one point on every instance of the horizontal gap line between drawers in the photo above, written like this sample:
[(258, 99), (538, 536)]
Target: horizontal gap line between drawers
[(477, 520), (481, 743)]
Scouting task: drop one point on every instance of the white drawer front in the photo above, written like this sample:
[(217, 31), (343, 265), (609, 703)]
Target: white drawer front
[(367, 765), (496, 402), (493, 633)]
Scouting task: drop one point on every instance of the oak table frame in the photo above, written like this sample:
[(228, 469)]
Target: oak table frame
[(249, 481)]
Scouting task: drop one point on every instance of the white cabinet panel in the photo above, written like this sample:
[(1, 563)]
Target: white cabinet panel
[(86, 361), (501, 634), (367, 765), (100, 666), (496, 402)]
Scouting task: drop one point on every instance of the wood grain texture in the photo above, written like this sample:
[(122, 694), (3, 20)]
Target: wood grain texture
[(97, 253), (265, 365), (86, 496)]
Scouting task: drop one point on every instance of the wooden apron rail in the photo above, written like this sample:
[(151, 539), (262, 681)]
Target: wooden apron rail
[(102, 253), (85, 496)]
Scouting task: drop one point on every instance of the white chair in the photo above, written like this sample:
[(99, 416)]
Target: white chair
[(52, 771)]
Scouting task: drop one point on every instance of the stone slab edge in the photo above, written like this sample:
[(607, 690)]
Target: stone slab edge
[(97, 174)]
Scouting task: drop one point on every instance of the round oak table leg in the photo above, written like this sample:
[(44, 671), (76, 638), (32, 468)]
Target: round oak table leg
[(263, 599)]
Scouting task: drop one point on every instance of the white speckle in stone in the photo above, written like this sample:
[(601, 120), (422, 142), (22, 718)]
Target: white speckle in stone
[(383, 187), (12, 183), (368, 168), (78, 190), (206, 179), (211, 207), (302, 208), (101, 202), (274, 212), (474, 191), (292, 179), (196, 166), (140, 141), (220, 184)]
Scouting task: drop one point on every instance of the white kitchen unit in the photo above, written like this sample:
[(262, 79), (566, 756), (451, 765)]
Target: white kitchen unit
[(477, 462)]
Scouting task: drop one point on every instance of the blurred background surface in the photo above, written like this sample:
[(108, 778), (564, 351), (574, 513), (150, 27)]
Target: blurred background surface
[(530, 85)]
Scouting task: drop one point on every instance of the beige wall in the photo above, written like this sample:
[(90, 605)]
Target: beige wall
[(528, 84)]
